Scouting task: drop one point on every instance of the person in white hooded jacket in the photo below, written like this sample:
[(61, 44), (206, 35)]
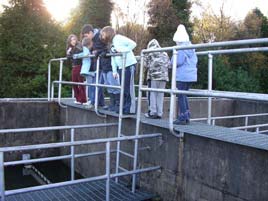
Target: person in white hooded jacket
[(186, 73)]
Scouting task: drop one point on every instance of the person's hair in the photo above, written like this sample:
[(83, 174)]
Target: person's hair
[(68, 42), (86, 29), (86, 42), (109, 33)]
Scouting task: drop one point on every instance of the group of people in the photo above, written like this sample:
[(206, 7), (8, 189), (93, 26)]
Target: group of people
[(101, 42)]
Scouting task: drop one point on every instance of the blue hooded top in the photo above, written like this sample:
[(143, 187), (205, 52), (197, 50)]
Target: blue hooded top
[(186, 64)]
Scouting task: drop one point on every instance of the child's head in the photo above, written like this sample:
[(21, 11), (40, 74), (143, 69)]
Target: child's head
[(72, 40), (87, 31), (153, 44), (107, 34), (181, 35), (86, 42)]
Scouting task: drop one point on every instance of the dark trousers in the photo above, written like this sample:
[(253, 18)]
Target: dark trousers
[(79, 91), (184, 112), (100, 92), (127, 97)]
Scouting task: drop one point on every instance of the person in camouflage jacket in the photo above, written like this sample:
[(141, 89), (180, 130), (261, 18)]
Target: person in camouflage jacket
[(157, 64)]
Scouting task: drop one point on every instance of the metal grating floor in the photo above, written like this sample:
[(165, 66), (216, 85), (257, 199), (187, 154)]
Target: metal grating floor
[(90, 191)]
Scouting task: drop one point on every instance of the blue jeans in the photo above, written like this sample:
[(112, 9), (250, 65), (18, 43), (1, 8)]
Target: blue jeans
[(129, 105), (91, 90), (100, 91), (110, 80), (184, 112)]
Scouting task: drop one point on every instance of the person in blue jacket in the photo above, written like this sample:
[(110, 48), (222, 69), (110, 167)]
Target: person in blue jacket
[(85, 70), (122, 44), (186, 73)]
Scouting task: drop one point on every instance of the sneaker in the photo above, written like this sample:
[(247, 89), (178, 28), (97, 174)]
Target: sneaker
[(159, 117), (179, 122), (147, 115), (76, 102)]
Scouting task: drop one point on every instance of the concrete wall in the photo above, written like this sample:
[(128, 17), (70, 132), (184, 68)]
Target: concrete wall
[(196, 168), (28, 115)]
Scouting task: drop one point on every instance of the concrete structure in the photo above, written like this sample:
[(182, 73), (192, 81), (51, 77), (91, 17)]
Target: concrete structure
[(208, 164)]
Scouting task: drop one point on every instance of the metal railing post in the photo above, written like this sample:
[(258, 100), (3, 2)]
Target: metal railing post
[(72, 156), (210, 74), (172, 95), (108, 159), (48, 80), (60, 79), (137, 131), (246, 122), (121, 104), (2, 176)]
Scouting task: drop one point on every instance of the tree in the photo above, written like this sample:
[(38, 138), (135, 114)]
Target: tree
[(28, 39), (165, 16), (94, 12)]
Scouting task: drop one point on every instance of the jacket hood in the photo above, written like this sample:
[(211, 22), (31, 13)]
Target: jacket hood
[(153, 44), (181, 34)]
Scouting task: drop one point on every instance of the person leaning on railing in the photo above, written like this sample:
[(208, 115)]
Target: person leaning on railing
[(122, 44), (186, 73)]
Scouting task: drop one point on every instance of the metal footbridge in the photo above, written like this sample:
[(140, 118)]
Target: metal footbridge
[(108, 186)]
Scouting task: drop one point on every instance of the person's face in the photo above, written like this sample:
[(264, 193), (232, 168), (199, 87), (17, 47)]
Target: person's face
[(89, 35), (103, 37), (73, 41)]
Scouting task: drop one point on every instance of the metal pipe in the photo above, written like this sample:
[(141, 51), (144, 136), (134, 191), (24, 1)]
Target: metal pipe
[(207, 45), (59, 88), (120, 118), (126, 154), (85, 84), (172, 95), (108, 169), (48, 80), (210, 71), (2, 176), (138, 120), (67, 183), (97, 89), (72, 156), (233, 51), (51, 128), (76, 143), (250, 126), (214, 93), (52, 92), (246, 122)]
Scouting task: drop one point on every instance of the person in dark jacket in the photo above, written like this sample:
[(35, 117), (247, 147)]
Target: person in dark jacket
[(74, 47), (186, 73), (98, 48)]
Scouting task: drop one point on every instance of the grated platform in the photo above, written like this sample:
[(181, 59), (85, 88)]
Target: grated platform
[(90, 191)]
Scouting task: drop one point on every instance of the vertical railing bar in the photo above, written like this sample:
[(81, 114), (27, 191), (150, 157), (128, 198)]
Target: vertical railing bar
[(172, 95), (72, 156), (60, 79), (2, 176), (138, 122), (120, 113), (48, 80), (210, 72), (108, 159), (97, 82), (246, 122)]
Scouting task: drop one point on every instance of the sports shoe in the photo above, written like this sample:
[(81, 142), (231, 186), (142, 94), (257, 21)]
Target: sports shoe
[(76, 102), (181, 122), (147, 115)]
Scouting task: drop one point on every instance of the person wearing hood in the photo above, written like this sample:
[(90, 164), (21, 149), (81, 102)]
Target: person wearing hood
[(157, 64), (186, 73)]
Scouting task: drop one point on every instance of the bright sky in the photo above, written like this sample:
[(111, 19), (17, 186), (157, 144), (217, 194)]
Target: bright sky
[(237, 9)]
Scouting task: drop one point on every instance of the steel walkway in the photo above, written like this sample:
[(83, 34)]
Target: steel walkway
[(90, 191)]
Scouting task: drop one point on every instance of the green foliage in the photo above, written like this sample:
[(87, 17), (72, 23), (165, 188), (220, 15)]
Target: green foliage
[(94, 12), (29, 38), (165, 16)]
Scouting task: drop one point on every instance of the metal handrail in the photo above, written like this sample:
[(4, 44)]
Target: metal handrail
[(72, 156), (207, 93)]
